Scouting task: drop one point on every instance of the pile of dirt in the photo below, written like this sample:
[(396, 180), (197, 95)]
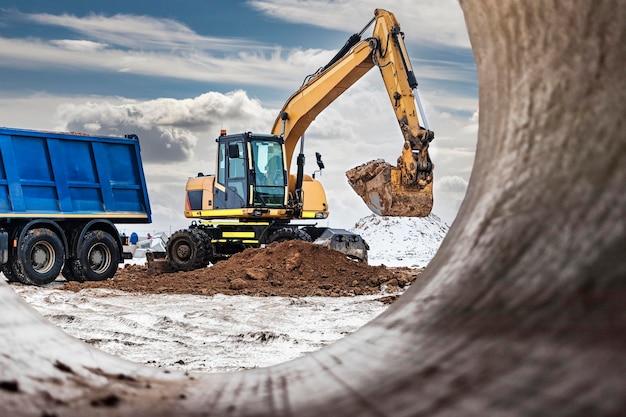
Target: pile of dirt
[(290, 269)]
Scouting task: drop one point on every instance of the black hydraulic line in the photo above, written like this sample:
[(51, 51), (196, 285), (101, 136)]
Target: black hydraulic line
[(395, 32), (299, 178), (352, 40)]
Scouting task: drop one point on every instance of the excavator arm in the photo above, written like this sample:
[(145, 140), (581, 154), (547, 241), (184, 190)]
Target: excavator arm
[(405, 190)]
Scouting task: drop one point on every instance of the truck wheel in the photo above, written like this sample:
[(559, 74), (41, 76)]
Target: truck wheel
[(40, 256), (98, 257), (289, 233), (7, 270), (68, 271), (186, 250)]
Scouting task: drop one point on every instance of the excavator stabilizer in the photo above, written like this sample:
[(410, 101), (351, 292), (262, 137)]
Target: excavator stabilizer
[(380, 186)]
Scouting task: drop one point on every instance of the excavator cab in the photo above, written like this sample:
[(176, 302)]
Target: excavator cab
[(250, 172), (231, 191), (252, 181)]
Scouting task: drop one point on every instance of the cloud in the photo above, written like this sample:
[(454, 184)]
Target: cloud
[(155, 47), (160, 47), (453, 183), (137, 32), (253, 68), (438, 21), (472, 127), (79, 45), (169, 129), (277, 69)]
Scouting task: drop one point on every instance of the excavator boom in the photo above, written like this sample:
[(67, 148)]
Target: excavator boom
[(405, 190)]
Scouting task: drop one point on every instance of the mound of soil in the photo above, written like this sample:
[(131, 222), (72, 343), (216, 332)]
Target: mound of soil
[(291, 269)]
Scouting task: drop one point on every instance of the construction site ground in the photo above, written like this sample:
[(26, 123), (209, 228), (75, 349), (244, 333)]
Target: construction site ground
[(289, 269)]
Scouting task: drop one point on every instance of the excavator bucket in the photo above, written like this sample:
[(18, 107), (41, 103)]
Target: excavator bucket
[(380, 186)]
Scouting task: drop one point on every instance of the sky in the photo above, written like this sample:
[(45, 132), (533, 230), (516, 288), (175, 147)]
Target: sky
[(175, 73)]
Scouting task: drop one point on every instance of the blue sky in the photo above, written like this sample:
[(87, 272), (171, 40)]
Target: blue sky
[(177, 72)]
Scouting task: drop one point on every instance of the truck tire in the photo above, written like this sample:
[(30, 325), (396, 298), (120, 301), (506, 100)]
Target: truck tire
[(7, 270), (68, 271), (40, 257), (98, 257), (289, 233), (186, 250)]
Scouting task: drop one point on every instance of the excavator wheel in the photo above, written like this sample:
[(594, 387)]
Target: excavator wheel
[(186, 250), (380, 186), (289, 233), (206, 239)]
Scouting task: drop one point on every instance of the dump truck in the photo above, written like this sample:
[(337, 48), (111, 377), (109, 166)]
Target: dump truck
[(61, 195), (254, 198)]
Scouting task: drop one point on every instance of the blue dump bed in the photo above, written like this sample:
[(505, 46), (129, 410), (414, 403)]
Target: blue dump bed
[(66, 175)]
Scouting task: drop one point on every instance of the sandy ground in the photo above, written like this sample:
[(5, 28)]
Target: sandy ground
[(202, 333)]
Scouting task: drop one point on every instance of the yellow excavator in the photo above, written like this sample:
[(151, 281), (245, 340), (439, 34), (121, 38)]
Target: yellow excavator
[(254, 199)]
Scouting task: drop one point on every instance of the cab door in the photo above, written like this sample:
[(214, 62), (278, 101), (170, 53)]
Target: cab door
[(231, 190), (270, 176)]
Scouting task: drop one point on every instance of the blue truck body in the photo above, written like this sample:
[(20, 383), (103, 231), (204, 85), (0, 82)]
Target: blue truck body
[(60, 195)]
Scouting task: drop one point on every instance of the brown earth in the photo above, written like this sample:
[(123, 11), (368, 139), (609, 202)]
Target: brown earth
[(291, 269)]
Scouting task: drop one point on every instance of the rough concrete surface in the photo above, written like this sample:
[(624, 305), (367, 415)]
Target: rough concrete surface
[(521, 312)]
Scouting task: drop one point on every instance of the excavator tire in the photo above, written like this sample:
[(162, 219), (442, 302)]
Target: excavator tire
[(186, 250), (289, 233), (379, 184), (208, 248)]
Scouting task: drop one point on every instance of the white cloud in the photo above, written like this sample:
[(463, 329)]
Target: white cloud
[(168, 128), (472, 127), (439, 21), (166, 48), (277, 68), (258, 68), (137, 32), (157, 47), (453, 183), (79, 45), (92, 127)]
